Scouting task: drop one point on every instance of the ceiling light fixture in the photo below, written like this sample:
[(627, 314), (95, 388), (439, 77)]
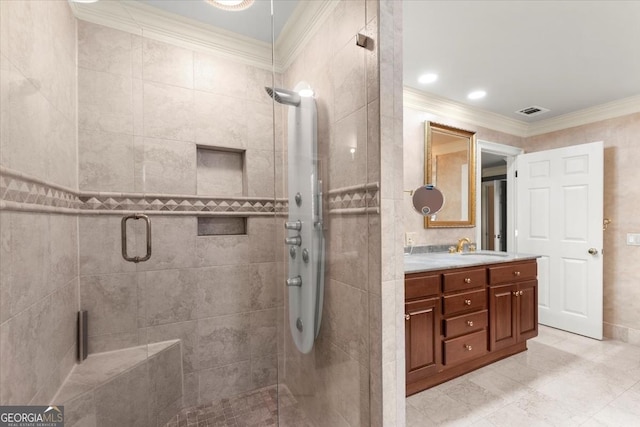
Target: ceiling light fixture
[(477, 94), (428, 78), (231, 5)]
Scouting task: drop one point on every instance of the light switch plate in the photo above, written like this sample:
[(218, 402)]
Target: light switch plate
[(633, 239)]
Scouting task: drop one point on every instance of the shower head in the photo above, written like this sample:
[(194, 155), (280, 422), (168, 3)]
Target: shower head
[(283, 96)]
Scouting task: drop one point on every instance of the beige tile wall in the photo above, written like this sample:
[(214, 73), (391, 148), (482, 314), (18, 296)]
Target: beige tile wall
[(620, 172), (340, 381), (388, 393), (38, 252), (144, 107)]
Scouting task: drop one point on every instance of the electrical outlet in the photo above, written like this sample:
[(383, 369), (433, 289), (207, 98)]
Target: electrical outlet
[(410, 239), (633, 239)]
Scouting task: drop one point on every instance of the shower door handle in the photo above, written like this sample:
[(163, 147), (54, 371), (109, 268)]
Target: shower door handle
[(123, 230)]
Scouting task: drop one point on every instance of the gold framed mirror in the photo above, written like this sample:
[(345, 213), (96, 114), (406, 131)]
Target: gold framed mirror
[(450, 164)]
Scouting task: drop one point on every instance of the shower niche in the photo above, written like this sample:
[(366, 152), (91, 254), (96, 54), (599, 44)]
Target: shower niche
[(220, 171)]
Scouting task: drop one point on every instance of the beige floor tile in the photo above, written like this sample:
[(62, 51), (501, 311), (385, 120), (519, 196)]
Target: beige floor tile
[(562, 380)]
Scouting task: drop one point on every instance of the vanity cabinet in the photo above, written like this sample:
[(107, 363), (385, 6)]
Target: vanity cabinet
[(422, 326), (457, 320), (513, 302), (464, 315)]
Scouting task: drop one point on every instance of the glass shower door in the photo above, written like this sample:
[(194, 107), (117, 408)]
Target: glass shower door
[(324, 375)]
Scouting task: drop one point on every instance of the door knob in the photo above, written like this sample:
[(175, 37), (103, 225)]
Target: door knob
[(407, 316), (593, 251)]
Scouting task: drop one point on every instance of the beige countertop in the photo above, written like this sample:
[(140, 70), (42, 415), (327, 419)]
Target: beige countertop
[(417, 263)]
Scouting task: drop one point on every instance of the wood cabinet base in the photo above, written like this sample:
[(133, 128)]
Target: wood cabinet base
[(463, 368)]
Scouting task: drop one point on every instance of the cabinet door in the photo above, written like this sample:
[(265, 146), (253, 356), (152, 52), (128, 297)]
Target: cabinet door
[(527, 310), (502, 323), (422, 334)]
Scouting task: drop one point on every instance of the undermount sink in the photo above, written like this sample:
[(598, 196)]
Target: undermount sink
[(485, 253)]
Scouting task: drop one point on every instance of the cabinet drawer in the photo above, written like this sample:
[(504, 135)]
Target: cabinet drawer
[(465, 324), (513, 272), (421, 286), (467, 279), (468, 301), (465, 347)]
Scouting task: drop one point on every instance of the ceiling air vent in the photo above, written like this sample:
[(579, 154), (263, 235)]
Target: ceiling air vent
[(534, 110)]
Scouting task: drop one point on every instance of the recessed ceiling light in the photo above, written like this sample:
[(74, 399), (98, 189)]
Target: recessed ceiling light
[(477, 94), (232, 5), (428, 78)]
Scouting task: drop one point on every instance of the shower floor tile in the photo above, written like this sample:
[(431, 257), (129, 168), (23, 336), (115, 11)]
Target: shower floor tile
[(258, 408)]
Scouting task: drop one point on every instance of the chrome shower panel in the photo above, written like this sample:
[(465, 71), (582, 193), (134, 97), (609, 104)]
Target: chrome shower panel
[(305, 237)]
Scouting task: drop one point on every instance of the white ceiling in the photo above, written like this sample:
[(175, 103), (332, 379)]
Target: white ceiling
[(561, 55)]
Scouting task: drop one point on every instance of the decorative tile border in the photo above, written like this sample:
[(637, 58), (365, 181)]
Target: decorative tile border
[(178, 203), (20, 192), (17, 188), (357, 199)]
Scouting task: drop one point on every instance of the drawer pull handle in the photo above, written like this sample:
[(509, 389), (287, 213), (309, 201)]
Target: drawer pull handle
[(515, 293), (415, 313), (470, 322), (467, 302), (468, 347), (407, 316), (467, 280), (521, 293), (516, 273)]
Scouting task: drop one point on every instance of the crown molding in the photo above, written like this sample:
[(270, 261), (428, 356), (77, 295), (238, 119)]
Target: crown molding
[(141, 19), (303, 23), (154, 23), (439, 106), (610, 110)]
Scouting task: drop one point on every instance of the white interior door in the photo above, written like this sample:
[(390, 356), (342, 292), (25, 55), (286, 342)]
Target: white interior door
[(559, 216)]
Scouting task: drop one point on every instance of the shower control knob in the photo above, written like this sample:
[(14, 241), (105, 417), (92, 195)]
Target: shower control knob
[(294, 281), (293, 241), (293, 225)]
